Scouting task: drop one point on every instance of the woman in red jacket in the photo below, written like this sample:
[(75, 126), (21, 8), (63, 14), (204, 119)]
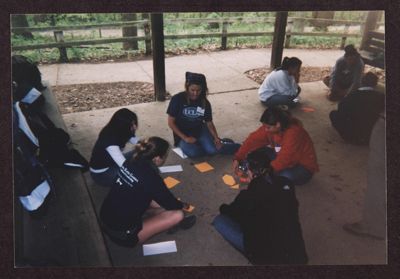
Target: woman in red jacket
[(289, 146)]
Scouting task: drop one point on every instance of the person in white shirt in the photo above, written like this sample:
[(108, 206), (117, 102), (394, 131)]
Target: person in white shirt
[(107, 156), (280, 87)]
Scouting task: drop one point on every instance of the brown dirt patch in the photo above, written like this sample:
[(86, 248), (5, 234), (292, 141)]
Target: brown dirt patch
[(84, 97)]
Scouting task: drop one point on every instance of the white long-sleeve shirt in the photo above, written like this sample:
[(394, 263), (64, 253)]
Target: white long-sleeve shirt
[(277, 82)]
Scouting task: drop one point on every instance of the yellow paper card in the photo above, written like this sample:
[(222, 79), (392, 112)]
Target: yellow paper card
[(190, 209), (203, 167), (229, 180), (171, 182), (236, 186)]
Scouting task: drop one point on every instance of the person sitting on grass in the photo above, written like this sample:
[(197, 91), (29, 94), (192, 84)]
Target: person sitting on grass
[(139, 204), (190, 118), (288, 146), (358, 111), (107, 156), (280, 87), (346, 74), (263, 221)]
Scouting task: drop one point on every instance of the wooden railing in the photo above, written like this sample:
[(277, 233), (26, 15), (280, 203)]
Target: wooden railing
[(61, 44)]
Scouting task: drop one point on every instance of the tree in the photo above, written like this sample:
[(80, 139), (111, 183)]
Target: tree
[(130, 31), (21, 21)]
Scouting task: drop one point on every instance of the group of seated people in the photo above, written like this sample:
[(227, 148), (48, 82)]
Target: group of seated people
[(277, 156)]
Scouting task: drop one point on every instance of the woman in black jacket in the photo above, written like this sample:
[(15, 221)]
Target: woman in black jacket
[(139, 204), (262, 222)]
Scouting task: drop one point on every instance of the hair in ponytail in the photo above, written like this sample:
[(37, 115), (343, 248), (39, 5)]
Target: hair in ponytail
[(150, 148), (289, 63)]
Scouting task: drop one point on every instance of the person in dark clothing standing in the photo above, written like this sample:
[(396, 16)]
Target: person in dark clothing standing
[(107, 156), (346, 74), (358, 111), (262, 222), (190, 119), (139, 190)]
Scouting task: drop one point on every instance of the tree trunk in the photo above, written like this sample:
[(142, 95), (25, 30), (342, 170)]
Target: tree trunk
[(129, 31), (322, 26), (21, 21)]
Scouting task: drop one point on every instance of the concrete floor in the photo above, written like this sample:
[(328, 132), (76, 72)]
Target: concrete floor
[(333, 197)]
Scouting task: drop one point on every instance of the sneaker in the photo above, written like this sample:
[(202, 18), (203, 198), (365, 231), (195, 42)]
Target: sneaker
[(185, 224), (358, 230)]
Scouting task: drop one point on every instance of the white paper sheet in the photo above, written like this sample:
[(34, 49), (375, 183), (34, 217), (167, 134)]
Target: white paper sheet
[(179, 151), (32, 95), (159, 248), (174, 168)]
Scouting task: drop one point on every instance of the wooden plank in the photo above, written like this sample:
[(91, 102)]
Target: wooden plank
[(377, 44), (278, 40), (157, 30), (370, 25), (376, 34)]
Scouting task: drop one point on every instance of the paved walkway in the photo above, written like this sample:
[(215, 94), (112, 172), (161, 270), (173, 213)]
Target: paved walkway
[(333, 197), (223, 69)]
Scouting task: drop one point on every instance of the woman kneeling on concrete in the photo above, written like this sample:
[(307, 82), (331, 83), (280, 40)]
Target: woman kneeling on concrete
[(190, 118), (288, 146), (139, 190), (280, 87), (107, 156), (262, 222)]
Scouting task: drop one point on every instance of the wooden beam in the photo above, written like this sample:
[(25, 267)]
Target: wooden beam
[(278, 40), (157, 33), (370, 25)]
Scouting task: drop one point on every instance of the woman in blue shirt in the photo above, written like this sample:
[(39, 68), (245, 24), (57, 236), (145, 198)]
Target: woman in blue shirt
[(280, 87), (190, 118)]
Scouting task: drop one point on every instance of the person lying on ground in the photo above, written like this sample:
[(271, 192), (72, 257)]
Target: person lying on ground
[(190, 118), (107, 156), (346, 74), (358, 111), (139, 204), (288, 146), (280, 87), (263, 221)]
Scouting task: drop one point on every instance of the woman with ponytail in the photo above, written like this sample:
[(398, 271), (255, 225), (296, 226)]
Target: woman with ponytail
[(107, 154), (139, 204), (280, 87), (262, 222)]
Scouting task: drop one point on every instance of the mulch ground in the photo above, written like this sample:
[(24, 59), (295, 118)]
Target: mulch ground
[(93, 96)]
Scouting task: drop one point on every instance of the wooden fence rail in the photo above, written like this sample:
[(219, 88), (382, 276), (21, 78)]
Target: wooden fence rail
[(61, 44)]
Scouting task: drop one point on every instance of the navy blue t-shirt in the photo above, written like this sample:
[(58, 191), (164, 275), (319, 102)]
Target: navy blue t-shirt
[(189, 117), (137, 184)]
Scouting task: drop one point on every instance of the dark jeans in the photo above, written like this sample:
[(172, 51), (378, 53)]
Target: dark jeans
[(205, 146), (278, 99), (230, 231), (298, 174)]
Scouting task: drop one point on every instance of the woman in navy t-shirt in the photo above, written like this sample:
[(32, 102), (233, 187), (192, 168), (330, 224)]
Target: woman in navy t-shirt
[(190, 118), (107, 154), (138, 189)]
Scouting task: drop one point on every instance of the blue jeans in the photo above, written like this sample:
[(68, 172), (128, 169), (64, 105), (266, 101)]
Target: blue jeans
[(278, 99), (230, 231), (108, 177), (298, 174), (205, 146)]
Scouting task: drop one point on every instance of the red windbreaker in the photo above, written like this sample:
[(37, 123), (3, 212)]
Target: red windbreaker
[(296, 147)]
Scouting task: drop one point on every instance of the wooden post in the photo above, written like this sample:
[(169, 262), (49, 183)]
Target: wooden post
[(288, 33), (157, 33), (224, 38), (100, 32), (346, 30), (129, 31), (370, 24), (59, 37), (147, 33), (278, 40)]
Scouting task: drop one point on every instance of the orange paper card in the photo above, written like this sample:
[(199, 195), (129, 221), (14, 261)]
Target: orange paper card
[(203, 167), (171, 182), (229, 180), (236, 186), (307, 109), (190, 209)]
